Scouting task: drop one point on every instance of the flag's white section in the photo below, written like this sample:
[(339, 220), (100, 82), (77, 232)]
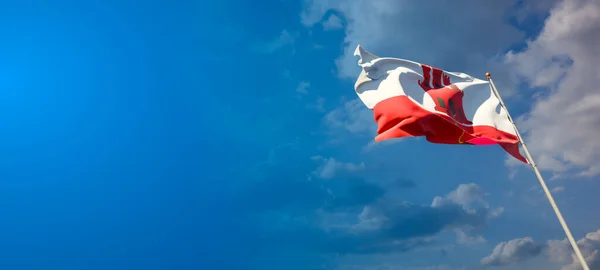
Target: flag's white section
[(384, 77), (486, 115)]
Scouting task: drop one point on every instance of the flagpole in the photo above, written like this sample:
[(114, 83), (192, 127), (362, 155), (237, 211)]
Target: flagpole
[(562, 221)]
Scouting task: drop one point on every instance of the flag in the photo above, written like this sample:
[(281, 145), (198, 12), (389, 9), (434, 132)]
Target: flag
[(411, 99)]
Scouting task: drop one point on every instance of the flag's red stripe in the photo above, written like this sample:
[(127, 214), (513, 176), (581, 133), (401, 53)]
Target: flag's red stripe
[(399, 117)]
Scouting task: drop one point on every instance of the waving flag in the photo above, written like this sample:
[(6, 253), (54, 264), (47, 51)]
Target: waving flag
[(413, 99)]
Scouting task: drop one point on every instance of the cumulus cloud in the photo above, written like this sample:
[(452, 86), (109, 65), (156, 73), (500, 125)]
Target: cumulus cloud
[(464, 238), (353, 216), (346, 214), (353, 120), (398, 267), (331, 167), (519, 250), (302, 87), (464, 195), (562, 59), (558, 189), (561, 251), (285, 38), (332, 23), (318, 105), (352, 117), (564, 122), (397, 226), (397, 29), (424, 31), (512, 252)]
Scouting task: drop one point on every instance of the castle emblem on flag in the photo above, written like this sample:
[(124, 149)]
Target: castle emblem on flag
[(448, 97)]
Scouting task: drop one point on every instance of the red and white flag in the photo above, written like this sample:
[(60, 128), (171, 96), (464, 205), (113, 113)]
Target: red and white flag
[(413, 99)]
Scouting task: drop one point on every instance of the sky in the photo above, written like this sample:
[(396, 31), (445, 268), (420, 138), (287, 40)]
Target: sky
[(227, 135)]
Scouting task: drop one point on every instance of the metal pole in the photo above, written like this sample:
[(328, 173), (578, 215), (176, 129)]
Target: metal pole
[(562, 221)]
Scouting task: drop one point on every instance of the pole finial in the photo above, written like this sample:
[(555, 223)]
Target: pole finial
[(488, 75)]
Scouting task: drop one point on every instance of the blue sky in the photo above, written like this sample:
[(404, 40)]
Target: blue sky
[(227, 135)]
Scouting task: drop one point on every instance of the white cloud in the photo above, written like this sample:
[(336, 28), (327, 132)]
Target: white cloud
[(399, 29), (563, 125), (371, 218), (373, 145), (303, 88), (352, 117), (284, 39), (518, 250), (563, 58), (389, 214), (331, 167), (399, 267), (465, 195), (561, 251), (558, 189), (333, 23), (395, 226), (318, 105), (512, 252), (463, 238)]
